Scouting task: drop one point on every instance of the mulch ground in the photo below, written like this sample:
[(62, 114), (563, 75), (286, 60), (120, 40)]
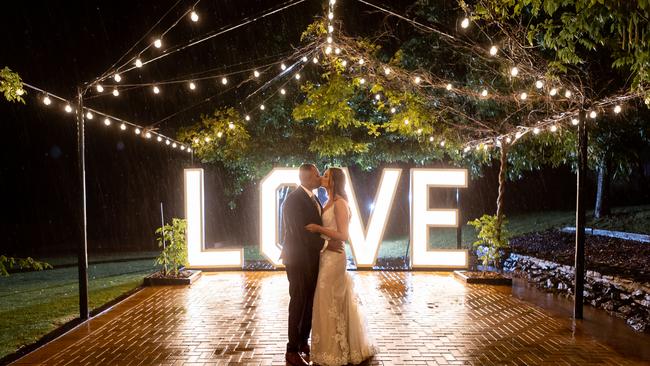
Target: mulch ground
[(609, 256)]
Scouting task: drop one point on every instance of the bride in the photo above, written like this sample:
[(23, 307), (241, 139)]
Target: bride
[(339, 335)]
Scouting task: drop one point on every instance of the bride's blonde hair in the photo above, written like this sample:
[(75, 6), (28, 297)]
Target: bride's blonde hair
[(337, 181)]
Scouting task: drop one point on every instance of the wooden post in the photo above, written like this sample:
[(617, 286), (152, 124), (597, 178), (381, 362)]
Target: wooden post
[(82, 259), (580, 220), (459, 228)]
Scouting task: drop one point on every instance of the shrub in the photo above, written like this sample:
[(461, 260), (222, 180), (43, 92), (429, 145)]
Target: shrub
[(174, 243), (492, 238), (7, 263)]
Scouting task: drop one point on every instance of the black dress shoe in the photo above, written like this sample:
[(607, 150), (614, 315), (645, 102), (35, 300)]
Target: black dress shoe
[(294, 359)]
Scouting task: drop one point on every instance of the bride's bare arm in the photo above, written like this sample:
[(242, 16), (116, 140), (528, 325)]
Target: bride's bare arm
[(342, 222)]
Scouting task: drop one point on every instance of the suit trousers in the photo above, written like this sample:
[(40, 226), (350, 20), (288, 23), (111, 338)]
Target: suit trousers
[(302, 286)]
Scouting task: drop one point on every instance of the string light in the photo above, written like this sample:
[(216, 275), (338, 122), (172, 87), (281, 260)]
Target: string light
[(192, 86), (107, 122), (337, 50), (256, 73), (147, 135), (138, 63), (122, 127), (328, 50), (330, 29), (377, 96), (262, 107), (207, 139), (442, 143), (283, 66), (156, 89), (157, 43), (466, 149), (189, 150), (464, 23), (361, 61), (417, 80), (387, 71), (617, 109), (539, 84), (553, 92), (174, 145), (536, 130), (282, 91), (182, 147), (523, 96), (593, 114), (167, 142), (100, 89), (304, 58), (362, 81), (224, 81), (219, 134), (575, 121), (194, 16), (89, 115), (567, 94), (47, 100), (406, 121), (314, 60), (330, 16), (344, 63), (137, 131), (117, 78), (68, 108), (419, 131), (508, 139), (159, 138), (484, 93), (553, 128), (514, 71), (248, 118), (20, 92), (116, 92), (393, 110), (449, 86), (329, 39), (431, 139), (231, 126), (493, 50), (297, 76)]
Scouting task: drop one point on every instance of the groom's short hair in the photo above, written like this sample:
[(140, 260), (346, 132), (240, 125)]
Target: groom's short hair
[(307, 167)]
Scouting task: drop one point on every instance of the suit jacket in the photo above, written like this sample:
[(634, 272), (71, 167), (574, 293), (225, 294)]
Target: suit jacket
[(300, 246)]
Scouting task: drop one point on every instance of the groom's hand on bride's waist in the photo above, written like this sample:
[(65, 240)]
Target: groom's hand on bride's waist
[(335, 246)]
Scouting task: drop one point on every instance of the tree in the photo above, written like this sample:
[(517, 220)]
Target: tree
[(11, 86)]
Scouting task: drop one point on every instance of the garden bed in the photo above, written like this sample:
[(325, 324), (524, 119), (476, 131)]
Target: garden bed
[(184, 277), (617, 277), (483, 277)]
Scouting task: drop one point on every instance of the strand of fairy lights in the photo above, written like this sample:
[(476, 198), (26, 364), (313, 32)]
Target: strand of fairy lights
[(108, 120)]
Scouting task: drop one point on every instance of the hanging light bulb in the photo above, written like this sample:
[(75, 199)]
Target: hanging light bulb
[(100, 89), (593, 114), (219, 134), (484, 93), (157, 43), (231, 126), (493, 50), (47, 100), (20, 92), (377, 96), (406, 121), (575, 121), (147, 135), (387, 71), (344, 63), (159, 138), (523, 96), (330, 16), (514, 71), (617, 109), (122, 127), (361, 61), (393, 110), (464, 23), (567, 93), (167, 142), (262, 107), (117, 78), (328, 50), (282, 91), (137, 131), (508, 139), (431, 138), (138, 63), (248, 118), (68, 108), (194, 16), (449, 86), (330, 28), (417, 80), (192, 86), (256, 73), (419, 131), (553, 92), (536, 131), (314, 60), (174, 145), (297, 76), (442, 143), (156, 89), (224, 81), (182, 147), (89, 115), (116, 92), (283, 66), (337, 51), (107, 122), (553, 128), (539, 84), (362, 81), (304, 58), (329, 39), (207, 138), (189, 150), (478, 147)]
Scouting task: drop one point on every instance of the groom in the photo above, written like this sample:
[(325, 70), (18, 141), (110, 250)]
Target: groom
[(300, 256)]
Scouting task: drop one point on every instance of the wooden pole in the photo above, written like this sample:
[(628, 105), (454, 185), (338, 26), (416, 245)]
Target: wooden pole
[(82, 260), (459, 228), (580, 220)]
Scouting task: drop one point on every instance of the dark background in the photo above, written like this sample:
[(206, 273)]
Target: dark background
[(58, 45)]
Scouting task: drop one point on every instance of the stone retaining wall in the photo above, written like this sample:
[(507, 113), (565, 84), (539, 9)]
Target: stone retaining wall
[(619, 296)]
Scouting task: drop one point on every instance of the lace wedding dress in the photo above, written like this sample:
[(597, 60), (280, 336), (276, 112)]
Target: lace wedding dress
[(339, 334)]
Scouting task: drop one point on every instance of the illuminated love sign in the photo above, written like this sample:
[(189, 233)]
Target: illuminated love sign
[(363, 241)]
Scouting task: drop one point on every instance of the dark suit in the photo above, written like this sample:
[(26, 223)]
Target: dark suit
[(300, 256)]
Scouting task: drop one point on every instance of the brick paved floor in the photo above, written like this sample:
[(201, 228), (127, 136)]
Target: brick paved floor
[(417, 318)]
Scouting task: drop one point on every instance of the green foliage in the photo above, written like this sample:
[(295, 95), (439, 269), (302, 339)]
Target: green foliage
[(7, 263), (174, 243), (492, 238), (11, 86)]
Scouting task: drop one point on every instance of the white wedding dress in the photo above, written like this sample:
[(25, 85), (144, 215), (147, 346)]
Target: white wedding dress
[(339, 334)]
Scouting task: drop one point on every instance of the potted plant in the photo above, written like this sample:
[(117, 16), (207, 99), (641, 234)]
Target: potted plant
[(493, 240), (173, 241)]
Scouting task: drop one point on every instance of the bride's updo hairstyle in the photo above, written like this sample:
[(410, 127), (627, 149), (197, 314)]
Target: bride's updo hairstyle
[(337, 181)]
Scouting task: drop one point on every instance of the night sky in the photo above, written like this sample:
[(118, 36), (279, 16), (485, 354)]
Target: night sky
[(59, 45)]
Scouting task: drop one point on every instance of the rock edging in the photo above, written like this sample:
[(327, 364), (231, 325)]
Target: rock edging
[(619, 296)]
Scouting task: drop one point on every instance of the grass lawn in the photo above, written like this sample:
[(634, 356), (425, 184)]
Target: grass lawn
[(34, 303)]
